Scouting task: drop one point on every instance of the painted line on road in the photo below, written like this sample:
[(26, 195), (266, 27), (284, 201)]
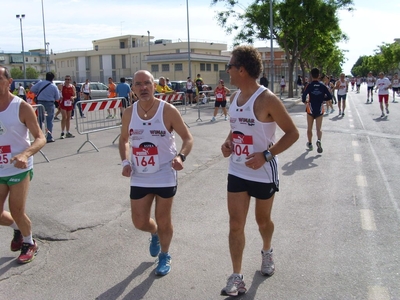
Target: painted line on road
[(361, 181), (378, 293), (357, 157), (367, 220), (354, 143)]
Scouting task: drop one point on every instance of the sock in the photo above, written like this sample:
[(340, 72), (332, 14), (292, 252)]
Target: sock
[(28, 239), (14, 226), (266, 251)]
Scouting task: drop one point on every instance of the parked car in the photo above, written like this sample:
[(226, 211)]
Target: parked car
[(98, 90), (179, 86)]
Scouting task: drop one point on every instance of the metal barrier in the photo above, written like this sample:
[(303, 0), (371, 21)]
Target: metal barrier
[(206, 100), (98, 118), (41, 118), (177, 99)]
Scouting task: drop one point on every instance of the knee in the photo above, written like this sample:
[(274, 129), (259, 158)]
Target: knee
[(236, 227), (138, 222)]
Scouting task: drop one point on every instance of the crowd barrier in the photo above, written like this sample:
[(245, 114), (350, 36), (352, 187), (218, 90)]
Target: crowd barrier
[(98, 118), (207, 101), (176, 99), (41, 118)]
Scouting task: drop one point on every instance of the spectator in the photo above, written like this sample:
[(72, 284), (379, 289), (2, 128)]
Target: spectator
[(162, 88), (264, 80)]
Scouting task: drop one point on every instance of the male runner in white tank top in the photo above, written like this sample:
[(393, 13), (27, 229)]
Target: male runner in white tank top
[(17, 119), (150, 158), (252, 148)]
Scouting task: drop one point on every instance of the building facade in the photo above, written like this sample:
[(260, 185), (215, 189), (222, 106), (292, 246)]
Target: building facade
[(122, 56)]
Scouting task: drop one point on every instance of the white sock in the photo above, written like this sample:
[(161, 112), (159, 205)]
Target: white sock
[(28, 239), (267, 251), (14, 226)]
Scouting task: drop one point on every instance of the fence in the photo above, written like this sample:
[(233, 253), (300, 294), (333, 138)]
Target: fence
[(177, 99), (41, 118), (101, 114), (206, 100)]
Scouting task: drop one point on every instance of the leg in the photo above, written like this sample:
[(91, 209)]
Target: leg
[(263, 218), (63, 120), (140, 210), (49, 107), (310, 123), (164, 221), (238, 206), (68, 119), (5, 216), (16, 202), (318, 125)]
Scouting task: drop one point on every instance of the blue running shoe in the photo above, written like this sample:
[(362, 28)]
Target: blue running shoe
[(164, 264), (154, 245)]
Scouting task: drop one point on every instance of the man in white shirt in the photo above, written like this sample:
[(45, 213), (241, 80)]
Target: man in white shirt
[(383, 84)]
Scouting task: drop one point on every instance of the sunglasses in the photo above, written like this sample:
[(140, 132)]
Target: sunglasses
[(229, 66)]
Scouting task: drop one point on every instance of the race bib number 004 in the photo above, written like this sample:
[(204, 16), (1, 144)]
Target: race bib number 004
[(146, 159), (242, 147)]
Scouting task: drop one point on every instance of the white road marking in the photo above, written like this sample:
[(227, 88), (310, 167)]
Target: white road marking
[(354, 143), (361, 181), (378, 293), (357, 157), (367, 219)]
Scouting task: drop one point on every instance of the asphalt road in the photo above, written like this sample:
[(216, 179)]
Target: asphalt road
[(336, 218)]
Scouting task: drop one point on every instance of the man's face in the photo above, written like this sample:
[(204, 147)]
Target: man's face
[(143, 86), (4, 82)]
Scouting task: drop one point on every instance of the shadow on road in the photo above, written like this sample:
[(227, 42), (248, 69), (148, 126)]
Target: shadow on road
[(7, 267), (138, 292), (300, 163)]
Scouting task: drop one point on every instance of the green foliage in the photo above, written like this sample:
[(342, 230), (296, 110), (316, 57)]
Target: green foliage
[(307, 30), (16, 73), (31, 73)]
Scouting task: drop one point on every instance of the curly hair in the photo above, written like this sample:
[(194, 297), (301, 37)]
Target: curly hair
[(249, 58)]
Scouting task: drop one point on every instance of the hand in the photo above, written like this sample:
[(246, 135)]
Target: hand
[(227, 148), (255, 160), (20, 161), (127, 171), (177, 163)]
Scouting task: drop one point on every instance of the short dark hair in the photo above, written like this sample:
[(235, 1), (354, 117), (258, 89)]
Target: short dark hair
[(249, 58), (7, 73), (122, 79), (50, 76), (315, 73)]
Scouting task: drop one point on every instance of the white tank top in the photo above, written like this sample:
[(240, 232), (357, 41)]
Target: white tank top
[(152, 150), (342, 88), (370, 81), (250, 135), (395, 82), (86, 87), (14, 139)]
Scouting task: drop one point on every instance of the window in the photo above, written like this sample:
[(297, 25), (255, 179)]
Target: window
[(215, 67), (121, 45), (202, 67), (154, 68), (165, 67), (209, 67), (26, 59), (178, 67), (35, 59), (123, 58)]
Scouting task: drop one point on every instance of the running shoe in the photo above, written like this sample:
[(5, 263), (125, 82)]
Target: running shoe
[(164, 264), (62, 136), (17, 241), (226, 118), (382, 115), (367, 101), (109, 117), (267, 265), (235, 286), (332, 110), (340, 112), (28, 252), (319, 147), (69, 135), (372, 100), (154, 245), (309, 146), (56, 118), (213, 119), (387, 110)]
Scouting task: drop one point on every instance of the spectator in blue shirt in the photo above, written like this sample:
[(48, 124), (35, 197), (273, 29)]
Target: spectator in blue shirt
[(123, 90)]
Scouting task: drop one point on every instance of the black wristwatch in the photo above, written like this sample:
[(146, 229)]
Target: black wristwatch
[(182, 156), (268, 156)]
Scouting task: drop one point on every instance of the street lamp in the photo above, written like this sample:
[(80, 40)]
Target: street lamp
[(148, 39), (187, 20), (47, 55), (20, 17), (271, 24)]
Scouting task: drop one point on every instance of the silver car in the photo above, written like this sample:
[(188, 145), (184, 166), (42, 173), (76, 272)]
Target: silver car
[(98, 90)]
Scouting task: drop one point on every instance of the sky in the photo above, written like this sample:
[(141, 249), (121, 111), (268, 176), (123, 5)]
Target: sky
[(74, 24)]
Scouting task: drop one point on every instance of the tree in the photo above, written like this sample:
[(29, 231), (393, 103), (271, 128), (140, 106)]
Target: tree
[(31, 73), (299, 26), (16, 73)]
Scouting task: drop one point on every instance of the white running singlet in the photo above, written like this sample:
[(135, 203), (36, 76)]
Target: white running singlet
[(250, 135)]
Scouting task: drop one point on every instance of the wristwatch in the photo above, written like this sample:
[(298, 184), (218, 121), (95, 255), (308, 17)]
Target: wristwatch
[(268, 155), (182, 156)]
